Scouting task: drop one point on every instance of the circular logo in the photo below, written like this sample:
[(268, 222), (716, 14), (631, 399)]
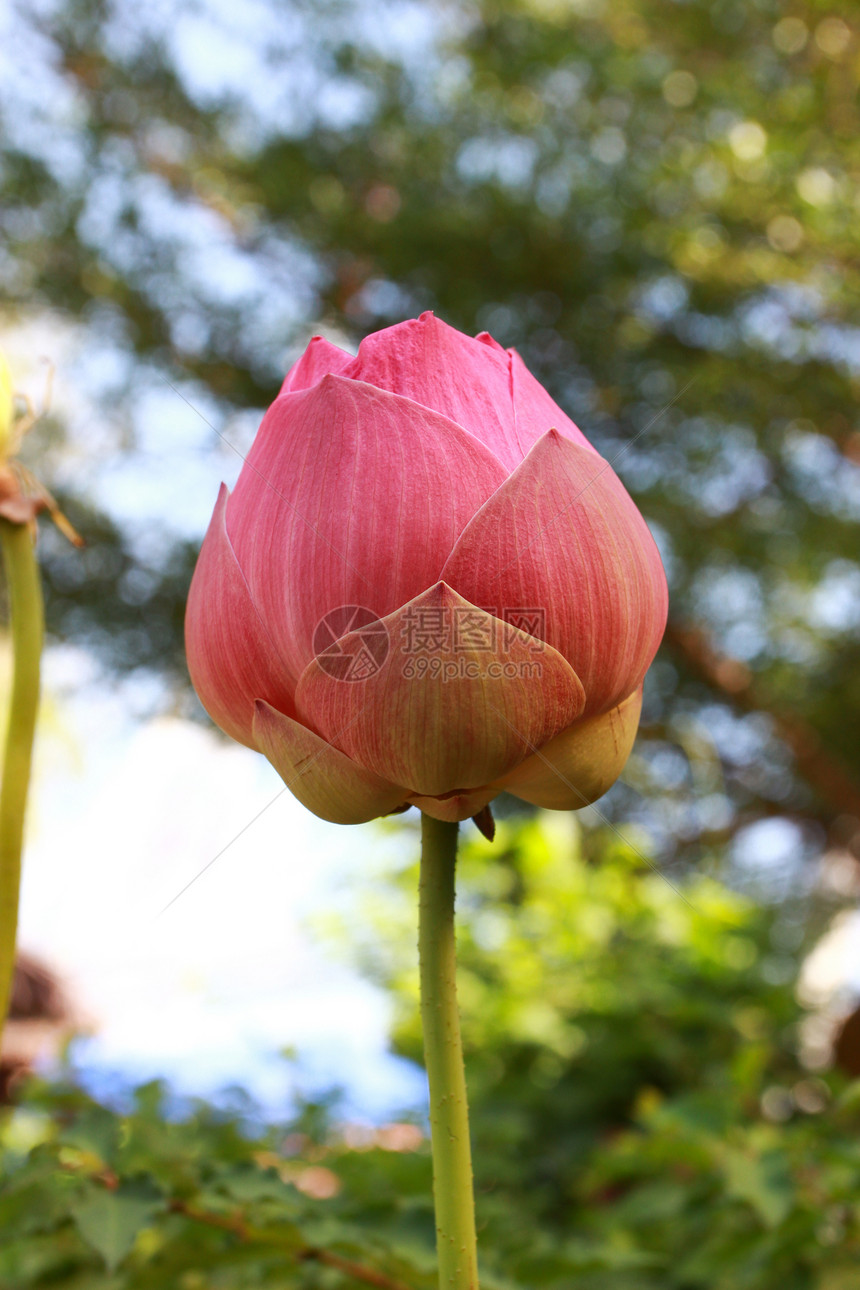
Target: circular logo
[(350, 643)]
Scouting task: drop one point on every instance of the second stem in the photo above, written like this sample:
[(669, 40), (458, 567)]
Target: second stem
[(27, 628), (443, 1051)]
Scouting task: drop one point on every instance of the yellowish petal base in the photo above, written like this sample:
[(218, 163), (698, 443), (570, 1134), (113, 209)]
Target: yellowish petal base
[(580, 764)]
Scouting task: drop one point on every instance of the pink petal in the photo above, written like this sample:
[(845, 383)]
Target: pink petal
[(474, 381), (429, 716), (319, 359), (563, 539), (439, 367), (323, 779), (460, 806), (535, 411), (231, 657), (486, 339), (350, 496), (580, 764)]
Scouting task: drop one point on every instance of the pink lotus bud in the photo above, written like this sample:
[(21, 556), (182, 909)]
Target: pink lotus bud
[(427, 586)]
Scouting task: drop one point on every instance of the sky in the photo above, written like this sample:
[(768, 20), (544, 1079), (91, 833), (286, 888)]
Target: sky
[(209, 991)]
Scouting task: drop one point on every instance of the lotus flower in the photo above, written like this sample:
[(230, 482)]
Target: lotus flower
[(426, 587)]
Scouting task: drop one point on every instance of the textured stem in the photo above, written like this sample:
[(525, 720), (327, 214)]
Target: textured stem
[(443, 1052), (27, 624)]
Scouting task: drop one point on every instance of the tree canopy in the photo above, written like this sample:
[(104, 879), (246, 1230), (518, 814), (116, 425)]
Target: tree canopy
[(655, 202)]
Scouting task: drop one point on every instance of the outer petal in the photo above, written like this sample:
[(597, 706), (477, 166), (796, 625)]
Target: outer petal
[(460, 806), (535, 411), (580, 764), (474, 381), (350, 496), (319, 359), (563, 539), (323, 779), (231, 657), (486, 339), (439, 367), (460, 699)]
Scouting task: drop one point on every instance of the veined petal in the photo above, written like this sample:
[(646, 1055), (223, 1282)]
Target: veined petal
[(231, 657), (473, 380), (441, 368), (460, 699), (350, 496), (580, 764), (535, 411), (486, 339), (562, 546), (321, 777), (319, 359), (459, 806)]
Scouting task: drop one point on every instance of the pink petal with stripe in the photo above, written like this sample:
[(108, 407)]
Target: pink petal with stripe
[(459, 806), (323, 779), (563, 542), (535, 411), (350, 496), (580, 764), (231, 657), (321, 358), (441, 368), (459, 700)]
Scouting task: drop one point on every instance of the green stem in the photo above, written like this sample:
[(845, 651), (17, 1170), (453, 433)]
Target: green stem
[(27, 622), (443, 1052)]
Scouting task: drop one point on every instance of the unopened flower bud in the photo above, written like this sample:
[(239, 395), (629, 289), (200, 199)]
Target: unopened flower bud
[(427, 586)]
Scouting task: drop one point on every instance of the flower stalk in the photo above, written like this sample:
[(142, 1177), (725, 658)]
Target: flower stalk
[(27, 629), (443, 1051)]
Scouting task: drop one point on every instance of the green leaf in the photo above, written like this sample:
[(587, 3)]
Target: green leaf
[(109, 1221), (96, 1130), (763, 1181), (251, 1184)]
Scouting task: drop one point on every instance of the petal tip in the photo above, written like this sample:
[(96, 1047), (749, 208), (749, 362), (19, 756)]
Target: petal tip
[(490, 341)]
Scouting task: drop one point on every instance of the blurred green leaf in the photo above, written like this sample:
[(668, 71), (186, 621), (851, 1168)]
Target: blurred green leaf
[(110, 1221), (764, 1181)]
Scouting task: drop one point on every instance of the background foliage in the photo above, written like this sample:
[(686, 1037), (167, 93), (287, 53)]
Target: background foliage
[(640, 1115)]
